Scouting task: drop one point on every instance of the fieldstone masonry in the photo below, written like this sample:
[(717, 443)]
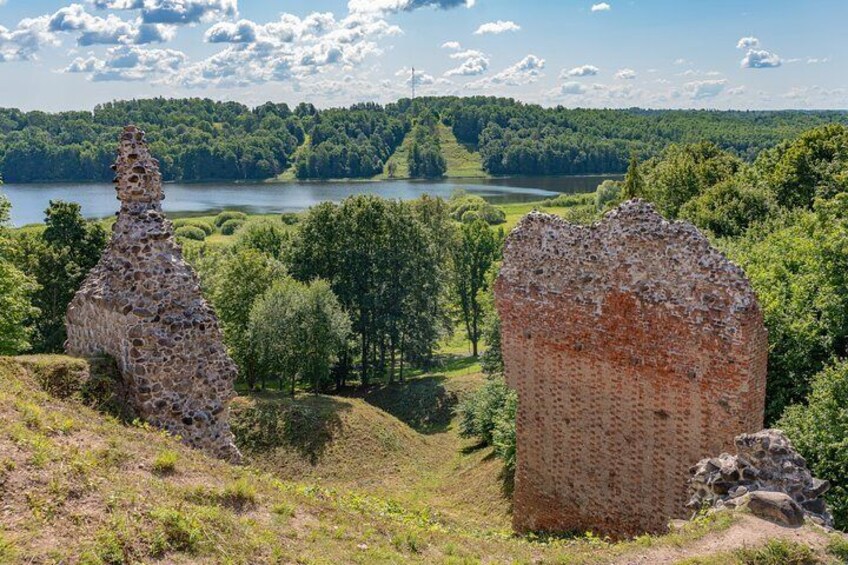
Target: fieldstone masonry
[(142, 305), (765, 462), (636, 349)]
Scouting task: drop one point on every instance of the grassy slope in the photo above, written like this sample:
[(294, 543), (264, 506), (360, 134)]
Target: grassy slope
[(462, 161), (80, 487)]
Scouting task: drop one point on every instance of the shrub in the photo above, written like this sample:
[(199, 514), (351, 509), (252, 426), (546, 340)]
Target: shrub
[(503, 434), (466, 208), (231, 226), (165, 462), (479, 411), (207, 228), (289, 218), (570, 200), (607, 193), (228, 215), (190, 232), (488, 214), (818, 431)]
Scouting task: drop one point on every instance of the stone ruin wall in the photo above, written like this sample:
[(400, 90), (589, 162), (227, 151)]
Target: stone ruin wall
[(636, 350), (142, 306)]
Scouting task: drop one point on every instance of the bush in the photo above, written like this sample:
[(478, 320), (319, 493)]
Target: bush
[(503, 434), (289, 218), (488, 214), (231, 226), (190, 232), (479, 411), (818, 431), (207, 228), (607, 193), (228, 215), (570, 200), (466, 208)]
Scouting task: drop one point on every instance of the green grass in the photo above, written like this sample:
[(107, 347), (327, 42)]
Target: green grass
[(463, 161), (165, 462), (380, 475)]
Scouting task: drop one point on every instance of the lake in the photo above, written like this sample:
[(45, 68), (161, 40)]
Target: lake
[(98, 200)]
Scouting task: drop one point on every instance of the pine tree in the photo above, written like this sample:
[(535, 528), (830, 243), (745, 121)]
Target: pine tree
[(634, 184)]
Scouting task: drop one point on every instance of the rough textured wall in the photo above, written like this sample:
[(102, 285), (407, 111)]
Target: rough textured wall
[(636, 349), (142, 305)]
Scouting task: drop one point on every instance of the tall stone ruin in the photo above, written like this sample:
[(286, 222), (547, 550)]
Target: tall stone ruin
[(142, 305), (636, 349)]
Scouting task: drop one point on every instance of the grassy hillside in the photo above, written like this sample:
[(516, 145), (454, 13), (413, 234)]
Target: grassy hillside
[(462, 160), (79, 486)]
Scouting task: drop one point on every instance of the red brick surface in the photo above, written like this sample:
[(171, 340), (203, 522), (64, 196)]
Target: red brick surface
[(636, 349)]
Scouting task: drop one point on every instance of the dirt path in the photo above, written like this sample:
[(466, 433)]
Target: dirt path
[(748, 531)]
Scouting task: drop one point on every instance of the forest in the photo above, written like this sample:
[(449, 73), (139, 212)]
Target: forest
[(202, 140)]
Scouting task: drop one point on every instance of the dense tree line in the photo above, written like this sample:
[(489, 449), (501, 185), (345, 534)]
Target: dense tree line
[(193, 139), (198, 139), (351, 143)]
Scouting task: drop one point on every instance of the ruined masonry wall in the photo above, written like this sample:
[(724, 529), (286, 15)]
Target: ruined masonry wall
[(142, 305), (636, 349)]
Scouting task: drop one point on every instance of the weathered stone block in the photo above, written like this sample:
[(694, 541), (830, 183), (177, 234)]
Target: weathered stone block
[(636, 349)]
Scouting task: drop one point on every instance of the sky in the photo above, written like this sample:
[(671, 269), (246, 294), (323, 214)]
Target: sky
[(722, 54)]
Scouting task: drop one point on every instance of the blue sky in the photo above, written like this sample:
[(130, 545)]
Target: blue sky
[(746, 54)]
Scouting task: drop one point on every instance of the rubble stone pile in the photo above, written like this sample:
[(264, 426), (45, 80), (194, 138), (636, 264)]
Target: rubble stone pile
[(765, 467)]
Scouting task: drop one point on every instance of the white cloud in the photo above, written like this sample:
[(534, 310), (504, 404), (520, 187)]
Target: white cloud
[(571, 88), (527, 70), (474, 63), (394, 6), (817, 60), (736, 90), (760, 59), (111, 30), (129, 63), (701, 89), (625, 74), (748, 42), (497, 27), (601, 7), (242, 31), (581, 71), (174, 11), (24, 42), (288, 48), (453, 45)]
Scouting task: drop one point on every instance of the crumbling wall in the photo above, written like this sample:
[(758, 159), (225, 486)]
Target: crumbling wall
[(636, 349), (142, 305)]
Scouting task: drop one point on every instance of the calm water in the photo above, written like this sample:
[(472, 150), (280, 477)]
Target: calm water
[(98, 200)]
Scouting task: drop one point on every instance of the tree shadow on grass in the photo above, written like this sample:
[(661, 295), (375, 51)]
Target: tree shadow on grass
[(269, 420), (423, 403)]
